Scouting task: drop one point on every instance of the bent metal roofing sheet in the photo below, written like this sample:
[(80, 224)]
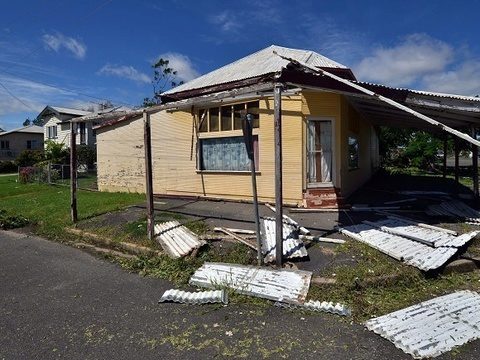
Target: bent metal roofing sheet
[(285, 285), (410, 252), (433, 327)]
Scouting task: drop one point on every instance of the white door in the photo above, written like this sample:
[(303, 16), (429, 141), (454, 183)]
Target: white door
[(319, 151)]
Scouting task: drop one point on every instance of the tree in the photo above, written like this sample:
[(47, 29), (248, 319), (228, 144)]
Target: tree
[(26, 122), (163, 76)]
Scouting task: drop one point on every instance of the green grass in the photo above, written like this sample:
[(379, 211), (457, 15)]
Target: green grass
[(48, 206), (378, 284)]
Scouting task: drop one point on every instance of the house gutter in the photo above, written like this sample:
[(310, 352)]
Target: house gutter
[(386, 100)]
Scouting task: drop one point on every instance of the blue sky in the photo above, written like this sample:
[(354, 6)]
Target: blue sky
[(78, 53)]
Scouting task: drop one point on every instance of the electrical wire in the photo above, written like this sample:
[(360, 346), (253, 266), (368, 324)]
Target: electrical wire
[(17, 98)]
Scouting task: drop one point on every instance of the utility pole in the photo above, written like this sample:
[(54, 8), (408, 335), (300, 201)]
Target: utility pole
[(147, 139), (278, 174)]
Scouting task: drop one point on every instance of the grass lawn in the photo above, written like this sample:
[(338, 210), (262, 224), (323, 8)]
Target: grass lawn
[(48, 207)]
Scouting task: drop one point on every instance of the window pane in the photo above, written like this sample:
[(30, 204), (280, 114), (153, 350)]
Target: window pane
[(202, 121), (252, 108), (239, 112), (214, 125), (226, 154), (226, 112)]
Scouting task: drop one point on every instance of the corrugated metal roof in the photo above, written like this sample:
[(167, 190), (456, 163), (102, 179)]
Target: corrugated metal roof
[(201, 297), (293, 247), (259, 63), (411, 252), (176, 239), (320, 306), (457, 209), (432, 327), (431, 237), (285, 285), (69, 111), (31, 129)]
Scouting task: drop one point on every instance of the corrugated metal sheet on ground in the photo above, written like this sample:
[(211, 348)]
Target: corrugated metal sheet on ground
[(285, 285), (176, 239), (411, 252), (320, 306), (455, 209), (431, 237), (293, 247), (433, 327), (201, 297)]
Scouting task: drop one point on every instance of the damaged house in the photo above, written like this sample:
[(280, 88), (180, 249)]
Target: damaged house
[(329, 139)]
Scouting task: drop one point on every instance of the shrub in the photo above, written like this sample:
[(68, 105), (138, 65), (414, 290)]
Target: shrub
[(56, 153), (8, 167), (29, 157), (86, 156), (10, 221), (26, 174)]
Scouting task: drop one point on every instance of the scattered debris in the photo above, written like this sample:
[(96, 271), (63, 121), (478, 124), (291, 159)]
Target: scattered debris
[(250, 244), (126, 246), (455, 209), (103, 251), (418, 192), (321, 239), (400, 201), (176, 239), (374, 208), (285, 285), (293, 247), (432, 236), (432, 327), (320, 306), (237, 231), (313, 210), (290, 221), (460, 266), (409, 251), (318, 280), (201, 297)]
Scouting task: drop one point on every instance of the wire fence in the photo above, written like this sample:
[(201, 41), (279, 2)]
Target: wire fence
[(58, 174)]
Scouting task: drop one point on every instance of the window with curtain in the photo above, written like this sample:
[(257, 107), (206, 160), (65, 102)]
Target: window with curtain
[(226, 154)]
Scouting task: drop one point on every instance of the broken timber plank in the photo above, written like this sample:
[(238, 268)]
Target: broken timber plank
[(238, 238)]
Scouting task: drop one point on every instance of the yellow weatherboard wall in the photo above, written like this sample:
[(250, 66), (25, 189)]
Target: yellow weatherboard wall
[(121, 161)]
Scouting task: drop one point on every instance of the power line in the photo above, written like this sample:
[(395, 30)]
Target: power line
[(75, 92), (16, 98)]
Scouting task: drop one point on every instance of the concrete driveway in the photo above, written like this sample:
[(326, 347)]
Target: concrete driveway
[(59, 302)]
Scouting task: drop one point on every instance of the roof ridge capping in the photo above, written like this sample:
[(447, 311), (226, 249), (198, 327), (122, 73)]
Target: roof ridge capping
[(259, 63)]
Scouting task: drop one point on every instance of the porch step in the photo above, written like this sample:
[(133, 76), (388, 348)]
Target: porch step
[(323, 198)]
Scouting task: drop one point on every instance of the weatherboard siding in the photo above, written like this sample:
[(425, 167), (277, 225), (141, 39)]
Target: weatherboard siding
[(120, 159)]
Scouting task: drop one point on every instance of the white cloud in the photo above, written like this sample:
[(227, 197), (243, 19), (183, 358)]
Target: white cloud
[(57, 41), (464, 79), (417, 56), (182, 65), (124, 71), (226, 20)]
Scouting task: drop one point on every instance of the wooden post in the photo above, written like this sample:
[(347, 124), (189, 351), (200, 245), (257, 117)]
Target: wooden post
[(475, 164), (445, 150), (278, 174), (457, 152), (147, 139), (73, 172)]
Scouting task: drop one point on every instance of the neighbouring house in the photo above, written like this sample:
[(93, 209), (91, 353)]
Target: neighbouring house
[(329, 131), (13, 142), (56, 125)]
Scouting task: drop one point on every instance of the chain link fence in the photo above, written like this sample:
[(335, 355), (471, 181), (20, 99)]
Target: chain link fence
[(58, 174)]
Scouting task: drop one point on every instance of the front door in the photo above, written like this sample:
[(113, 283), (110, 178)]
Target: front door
[(319, 152)]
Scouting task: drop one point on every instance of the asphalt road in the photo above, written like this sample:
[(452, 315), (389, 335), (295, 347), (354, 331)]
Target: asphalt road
[(59, 302)]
